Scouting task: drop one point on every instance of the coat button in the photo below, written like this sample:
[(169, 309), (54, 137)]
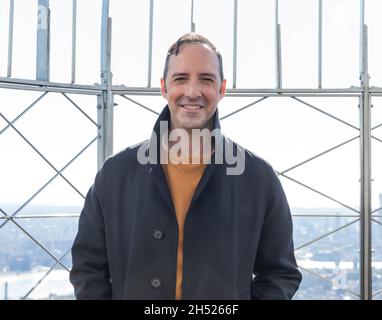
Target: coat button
[(158, 234), (155, 283)]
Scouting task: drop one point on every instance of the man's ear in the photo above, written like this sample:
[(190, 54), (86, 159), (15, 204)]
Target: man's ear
[(223, 88), (163, 89)]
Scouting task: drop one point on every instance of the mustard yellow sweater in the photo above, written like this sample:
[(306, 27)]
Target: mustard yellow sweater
[(182, 180)]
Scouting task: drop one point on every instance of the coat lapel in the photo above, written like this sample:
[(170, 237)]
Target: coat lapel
[(160, 181)]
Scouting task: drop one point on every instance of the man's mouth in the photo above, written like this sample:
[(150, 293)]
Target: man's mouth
[(191, 107)]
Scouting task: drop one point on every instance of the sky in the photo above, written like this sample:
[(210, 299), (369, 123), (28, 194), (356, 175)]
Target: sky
[(281, 130)]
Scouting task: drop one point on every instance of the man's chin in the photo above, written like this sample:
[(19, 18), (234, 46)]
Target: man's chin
[(189, 125)]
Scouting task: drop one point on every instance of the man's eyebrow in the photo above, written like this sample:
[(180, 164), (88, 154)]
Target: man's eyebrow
[(203, 74), (179, 74)]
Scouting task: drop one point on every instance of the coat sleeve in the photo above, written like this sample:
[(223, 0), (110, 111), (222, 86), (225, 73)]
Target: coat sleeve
[(276, 275), (90, 273)]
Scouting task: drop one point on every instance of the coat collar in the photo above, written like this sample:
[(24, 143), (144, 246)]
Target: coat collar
[(156, 170)]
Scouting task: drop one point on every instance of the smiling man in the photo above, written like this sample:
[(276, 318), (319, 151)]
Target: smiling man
[(193, 84), (153, 229)]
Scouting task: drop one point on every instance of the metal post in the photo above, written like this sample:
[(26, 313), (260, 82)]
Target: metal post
[(105, 100), (43, 41), (149, 66), (365, 146), (361, 37), (192, 17), (234, 63), (10, 37), (74, 38), (278, 47), (319, 44), (6, 290)]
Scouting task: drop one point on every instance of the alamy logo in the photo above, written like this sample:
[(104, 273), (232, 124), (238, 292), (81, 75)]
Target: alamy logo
[(178, 147)]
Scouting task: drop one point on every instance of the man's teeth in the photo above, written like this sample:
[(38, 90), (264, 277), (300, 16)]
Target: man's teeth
[(191, 107)]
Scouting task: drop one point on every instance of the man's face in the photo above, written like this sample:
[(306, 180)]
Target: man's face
[(193, 87)]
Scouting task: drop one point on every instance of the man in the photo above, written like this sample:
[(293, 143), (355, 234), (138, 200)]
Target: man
[(154, 227)]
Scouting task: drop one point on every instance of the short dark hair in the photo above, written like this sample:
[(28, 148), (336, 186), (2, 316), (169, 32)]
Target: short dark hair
[(192, 38)]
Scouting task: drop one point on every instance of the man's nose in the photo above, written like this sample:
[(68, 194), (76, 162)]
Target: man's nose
[(193, 90)]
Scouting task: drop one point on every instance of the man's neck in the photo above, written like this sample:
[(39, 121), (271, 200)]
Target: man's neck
[(198, 147)]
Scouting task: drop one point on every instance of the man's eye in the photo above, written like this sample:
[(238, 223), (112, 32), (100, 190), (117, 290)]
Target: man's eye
[(179, 79), (208, 80)]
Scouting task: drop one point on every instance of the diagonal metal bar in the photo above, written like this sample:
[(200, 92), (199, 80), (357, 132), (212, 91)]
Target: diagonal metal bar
[(38, 243), (375, 210), (4, 213), (326, 234), (79, 109), (377, 292), (318, 192), (376, 138), (376, 221), (245, 107), (140, 104), (325, 113), (319, 154), (377, 126), (49, 181), (42, 156), (45, 275), (22, 113), (327, 280)]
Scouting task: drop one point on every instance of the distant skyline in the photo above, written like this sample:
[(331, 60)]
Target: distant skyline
[(281, 130)]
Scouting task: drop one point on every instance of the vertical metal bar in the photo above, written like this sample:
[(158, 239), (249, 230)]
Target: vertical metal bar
[(6, 290), (366, 279), (278, 47), (365, 197), (43, 41), (234, 62), (110, 96), (101, 136), (10, 37), (361, 35), (105, 100), (192, 17), (74, 39), (149, 67), (319, 44), (104, 36)]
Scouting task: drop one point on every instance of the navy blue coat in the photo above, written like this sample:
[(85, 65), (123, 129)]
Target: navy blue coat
[(237, 234)]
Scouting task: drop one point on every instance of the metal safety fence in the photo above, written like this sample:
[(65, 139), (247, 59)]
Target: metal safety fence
[(106, 93)]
